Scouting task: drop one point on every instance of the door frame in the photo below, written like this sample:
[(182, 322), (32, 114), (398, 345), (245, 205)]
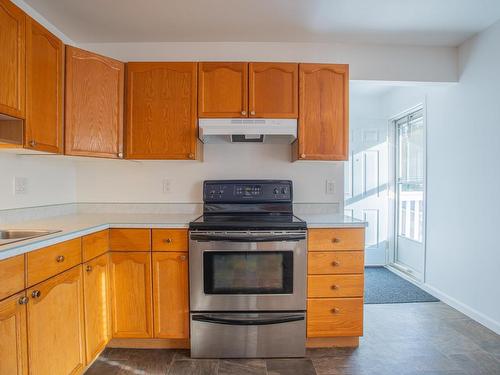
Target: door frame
[(393, 222)]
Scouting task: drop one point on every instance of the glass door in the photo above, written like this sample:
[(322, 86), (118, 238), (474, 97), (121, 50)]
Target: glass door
[(410, 198)]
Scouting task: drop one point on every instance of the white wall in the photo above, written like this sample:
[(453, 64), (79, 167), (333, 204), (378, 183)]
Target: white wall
[(463, 179), (367, 62), (142, 181), (50, 180)]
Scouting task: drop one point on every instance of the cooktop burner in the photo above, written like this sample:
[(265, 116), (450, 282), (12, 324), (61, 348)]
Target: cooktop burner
[(247, 205)]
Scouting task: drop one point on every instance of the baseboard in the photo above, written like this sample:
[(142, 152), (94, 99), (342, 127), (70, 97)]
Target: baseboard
[(462, 307), (149, 343), (332, 342)]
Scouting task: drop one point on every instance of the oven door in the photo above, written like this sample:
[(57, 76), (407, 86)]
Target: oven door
[(247, 271)]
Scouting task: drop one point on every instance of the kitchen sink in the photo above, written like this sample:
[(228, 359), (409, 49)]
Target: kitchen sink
[(14, 235)]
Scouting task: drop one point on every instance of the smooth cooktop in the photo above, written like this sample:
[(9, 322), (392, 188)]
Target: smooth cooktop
[(248, 222)]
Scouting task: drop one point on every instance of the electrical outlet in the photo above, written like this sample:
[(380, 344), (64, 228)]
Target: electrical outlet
[(166, 186), (20, 185), (330, 187)]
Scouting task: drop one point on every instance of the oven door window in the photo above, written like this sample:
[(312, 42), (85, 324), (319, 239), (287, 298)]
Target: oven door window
[(252, 272)]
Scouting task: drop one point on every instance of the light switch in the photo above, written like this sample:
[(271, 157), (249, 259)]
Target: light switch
[(330, 187), (20, 185)]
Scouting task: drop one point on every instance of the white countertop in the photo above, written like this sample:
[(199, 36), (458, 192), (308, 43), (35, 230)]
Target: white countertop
[(77, 225), (331, 221)]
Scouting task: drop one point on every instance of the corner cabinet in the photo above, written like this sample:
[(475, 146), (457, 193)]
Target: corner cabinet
[(56, 325), (13, 340), (12, 60), (323, 132), (223, 89), (94, 104), (44, 89), (161, 110)]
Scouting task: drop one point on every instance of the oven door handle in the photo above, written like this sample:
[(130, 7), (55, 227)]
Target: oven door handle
[(262, 238), (248, 322)]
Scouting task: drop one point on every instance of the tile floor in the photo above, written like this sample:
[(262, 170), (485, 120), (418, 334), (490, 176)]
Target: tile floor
[(400, 339)]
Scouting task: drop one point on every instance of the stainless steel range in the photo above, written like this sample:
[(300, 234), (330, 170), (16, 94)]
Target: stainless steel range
[(247, 271)]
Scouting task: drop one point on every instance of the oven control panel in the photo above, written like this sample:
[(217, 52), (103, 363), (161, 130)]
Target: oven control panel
[(240, 191)]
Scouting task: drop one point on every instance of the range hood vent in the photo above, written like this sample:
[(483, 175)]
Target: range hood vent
[(247, 130)]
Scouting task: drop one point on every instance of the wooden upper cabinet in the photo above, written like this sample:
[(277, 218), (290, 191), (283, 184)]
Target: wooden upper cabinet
[(12, 60), (223, 89), (324, 112), (94, 104), (56, 325), (13, 339), (161, 110), (273, 90), (44, 89)]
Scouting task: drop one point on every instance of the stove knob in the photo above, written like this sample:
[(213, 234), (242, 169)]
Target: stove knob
[(276, 191), (283, 191)]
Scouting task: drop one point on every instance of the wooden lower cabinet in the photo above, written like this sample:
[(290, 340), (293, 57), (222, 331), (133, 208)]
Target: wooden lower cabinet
[(171, 295), (331, 317), (97, 305), (56, 325), (131, 294), (13, 340)]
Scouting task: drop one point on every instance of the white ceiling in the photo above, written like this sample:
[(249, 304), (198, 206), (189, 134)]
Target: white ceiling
[(409, 22)]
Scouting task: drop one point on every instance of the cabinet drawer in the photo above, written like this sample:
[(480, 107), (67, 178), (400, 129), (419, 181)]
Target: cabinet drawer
[(130, 239), (170, 240), (336, 239), (95, 244), (333, 263), (50, 261), (335, 286), (330, 317), (11, 276)]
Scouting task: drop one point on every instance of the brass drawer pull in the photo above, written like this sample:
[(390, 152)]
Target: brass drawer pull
[(167, 240), (88, 268), (60, 259), (335, 287), (36, 294), (335, 310), (183, 257), (336, 240), (335, 263), (23, 300)]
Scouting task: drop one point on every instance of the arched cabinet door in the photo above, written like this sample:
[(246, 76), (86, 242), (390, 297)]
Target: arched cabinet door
[(273, 90), (223, 89), (44, 89), (323, 132), (94, 104), (12, 60)]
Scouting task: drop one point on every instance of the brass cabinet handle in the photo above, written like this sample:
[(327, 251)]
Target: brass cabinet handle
[(243, 113), (167, 240), (88, 268), (334, 287), (23, 300), (32, 143), (252, 113), (36, 294), (335, 263), (191, 156), (60, 258), (120, 155), (302, 156), (336, 240), (182, 257), (335, 310)]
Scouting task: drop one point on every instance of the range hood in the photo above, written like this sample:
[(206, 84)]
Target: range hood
[(247, 130)]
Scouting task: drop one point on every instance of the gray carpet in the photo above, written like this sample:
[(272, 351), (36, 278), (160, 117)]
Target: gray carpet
[(384, 286)]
